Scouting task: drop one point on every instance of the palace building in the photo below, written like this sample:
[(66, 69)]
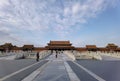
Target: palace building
[(28, 47), (60, 45)]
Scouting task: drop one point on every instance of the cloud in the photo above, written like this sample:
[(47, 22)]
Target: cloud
[(3, 3), (57, 17)]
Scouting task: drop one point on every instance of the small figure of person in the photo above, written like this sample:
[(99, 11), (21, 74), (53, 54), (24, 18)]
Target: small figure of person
[(37, 56), (56, 55)]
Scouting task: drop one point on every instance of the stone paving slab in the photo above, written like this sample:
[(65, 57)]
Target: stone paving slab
[(22, 73), (55, 71), (9, 66)]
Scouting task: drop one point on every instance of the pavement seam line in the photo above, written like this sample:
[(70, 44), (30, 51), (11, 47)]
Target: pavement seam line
[(89, 72), (14, 73), (72, 75), (34, 74)]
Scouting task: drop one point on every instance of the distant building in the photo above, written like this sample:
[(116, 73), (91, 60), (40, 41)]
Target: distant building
[(103, 49), (60, 45), (2, 49), (117, 49), (28, 48), (112, 46), (16, 49), (7, 47), (81, 49), (91, 47), (38, 49)]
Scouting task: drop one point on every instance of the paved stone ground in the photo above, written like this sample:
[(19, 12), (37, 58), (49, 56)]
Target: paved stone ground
[(55, 70), (108, 70), (19, 76), (9, 66)]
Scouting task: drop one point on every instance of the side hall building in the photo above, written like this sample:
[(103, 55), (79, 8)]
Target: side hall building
[(59, 45)]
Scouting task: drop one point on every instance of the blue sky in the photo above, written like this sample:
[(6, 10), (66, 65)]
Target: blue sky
[(80, 21)]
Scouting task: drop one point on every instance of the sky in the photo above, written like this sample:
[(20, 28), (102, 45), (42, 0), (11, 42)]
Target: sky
[(82, 22)]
